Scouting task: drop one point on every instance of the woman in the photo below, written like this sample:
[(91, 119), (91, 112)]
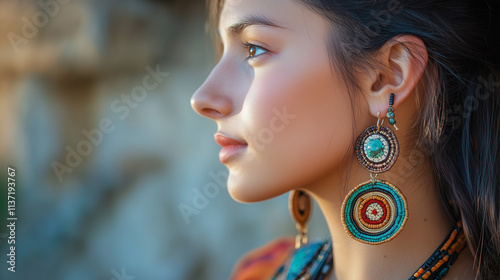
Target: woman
[(306, 96)]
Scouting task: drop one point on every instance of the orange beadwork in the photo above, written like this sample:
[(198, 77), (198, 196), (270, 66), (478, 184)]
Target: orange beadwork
[(437, 266)]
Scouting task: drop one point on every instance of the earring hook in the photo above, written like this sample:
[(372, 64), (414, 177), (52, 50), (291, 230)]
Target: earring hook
[(379, 121)]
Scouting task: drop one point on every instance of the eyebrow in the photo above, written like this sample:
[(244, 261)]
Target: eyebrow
[(240, 25)]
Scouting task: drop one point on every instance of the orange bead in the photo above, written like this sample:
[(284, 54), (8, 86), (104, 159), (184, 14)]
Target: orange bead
[(417, 274), (446, 245)]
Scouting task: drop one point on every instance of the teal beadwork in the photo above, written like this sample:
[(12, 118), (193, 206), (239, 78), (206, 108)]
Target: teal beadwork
[(390, 114), (364, 191), (392, 121)]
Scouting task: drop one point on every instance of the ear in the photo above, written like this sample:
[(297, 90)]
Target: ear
[(403, 60)]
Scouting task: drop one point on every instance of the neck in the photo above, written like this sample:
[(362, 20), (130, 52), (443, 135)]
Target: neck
[(426, 227)]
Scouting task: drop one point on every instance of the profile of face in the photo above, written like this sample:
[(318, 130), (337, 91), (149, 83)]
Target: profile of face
[(284, 116)]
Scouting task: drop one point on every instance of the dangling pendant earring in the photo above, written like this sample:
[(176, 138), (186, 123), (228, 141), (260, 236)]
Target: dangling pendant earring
[(376, 211), (299, 204)]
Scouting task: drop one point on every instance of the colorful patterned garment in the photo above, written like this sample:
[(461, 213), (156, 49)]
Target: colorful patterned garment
[(279, 260)]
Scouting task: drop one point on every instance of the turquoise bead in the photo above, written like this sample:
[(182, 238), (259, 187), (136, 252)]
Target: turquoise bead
[(443, 272), (392, 121), (390, 114), (375, 148)]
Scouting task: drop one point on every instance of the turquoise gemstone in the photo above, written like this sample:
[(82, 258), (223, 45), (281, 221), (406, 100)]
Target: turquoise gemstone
[(390, 115), (375, 148), (392, 121)]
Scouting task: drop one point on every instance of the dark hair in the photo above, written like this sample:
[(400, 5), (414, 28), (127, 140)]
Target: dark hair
[(459, 122)]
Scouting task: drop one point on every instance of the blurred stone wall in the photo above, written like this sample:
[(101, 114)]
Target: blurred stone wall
[(95, 117)]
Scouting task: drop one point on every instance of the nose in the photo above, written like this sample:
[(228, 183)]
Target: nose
[(211, 100)]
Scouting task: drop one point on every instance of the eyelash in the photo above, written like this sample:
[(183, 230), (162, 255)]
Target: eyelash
[(247, 47)]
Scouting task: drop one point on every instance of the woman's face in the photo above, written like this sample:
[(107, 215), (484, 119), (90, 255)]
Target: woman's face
[(273, 94)]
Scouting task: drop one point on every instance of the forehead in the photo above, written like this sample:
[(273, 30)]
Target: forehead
[(277, 11), (295, 21)]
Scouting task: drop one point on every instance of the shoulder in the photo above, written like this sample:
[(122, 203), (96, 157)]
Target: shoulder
[(313, 259), (263, 262), (279, 260)]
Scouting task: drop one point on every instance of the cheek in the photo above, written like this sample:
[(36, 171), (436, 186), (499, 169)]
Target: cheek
[(320, 105), (298, 120)]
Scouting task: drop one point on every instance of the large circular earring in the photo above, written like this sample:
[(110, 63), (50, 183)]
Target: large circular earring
[(299, 204), (376, 211)]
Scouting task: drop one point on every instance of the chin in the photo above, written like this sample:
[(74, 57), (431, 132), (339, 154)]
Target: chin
[(249, 191)]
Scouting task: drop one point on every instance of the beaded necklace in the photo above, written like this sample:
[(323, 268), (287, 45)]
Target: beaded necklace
[(314, 261)]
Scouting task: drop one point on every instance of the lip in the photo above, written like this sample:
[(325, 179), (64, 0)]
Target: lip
[(230, 147)]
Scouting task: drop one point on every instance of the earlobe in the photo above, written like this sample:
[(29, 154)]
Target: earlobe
[(402, 62)]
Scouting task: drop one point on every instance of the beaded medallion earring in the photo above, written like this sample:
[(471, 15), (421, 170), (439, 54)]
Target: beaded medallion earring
[(376, 211), (299, 204)]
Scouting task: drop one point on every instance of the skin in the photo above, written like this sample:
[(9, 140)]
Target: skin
[(310, 150)]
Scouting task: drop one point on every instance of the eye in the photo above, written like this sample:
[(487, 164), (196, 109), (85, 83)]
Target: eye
[(254, 50)]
